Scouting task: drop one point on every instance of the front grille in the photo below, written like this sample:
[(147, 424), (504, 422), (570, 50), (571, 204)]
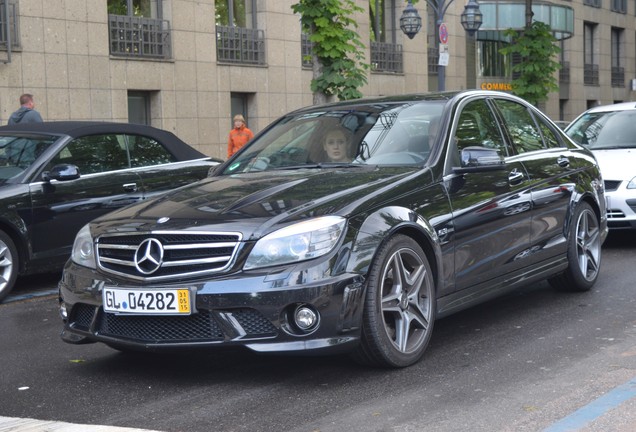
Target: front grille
[(204, 326), (172, 254), (612, 185), (161, 329)]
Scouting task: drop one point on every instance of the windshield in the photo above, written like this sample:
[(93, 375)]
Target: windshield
[(364, 135), (605, 130), (17, 153)]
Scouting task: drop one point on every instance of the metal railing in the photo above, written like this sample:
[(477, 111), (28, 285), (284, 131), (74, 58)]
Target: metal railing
[(386, 57), (618, 76), (433, 61), (564, 73), (240, 45), (132, 36), (593, 3), (590, 74)]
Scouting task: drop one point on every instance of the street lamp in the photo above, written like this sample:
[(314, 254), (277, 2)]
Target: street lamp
[(411, 23), (472, 17)]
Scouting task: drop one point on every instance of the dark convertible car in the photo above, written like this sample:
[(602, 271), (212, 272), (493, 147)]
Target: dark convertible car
[(347, 227), (57, 176)]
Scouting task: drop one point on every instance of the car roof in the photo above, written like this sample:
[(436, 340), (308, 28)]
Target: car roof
[(622, 106), (379, 100), (79, 128), (381, 103), (76, 129)]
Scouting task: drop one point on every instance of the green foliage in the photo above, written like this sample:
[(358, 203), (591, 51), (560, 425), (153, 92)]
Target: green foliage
[(117, 7), (141, 8), (536, 47), (337, 49)]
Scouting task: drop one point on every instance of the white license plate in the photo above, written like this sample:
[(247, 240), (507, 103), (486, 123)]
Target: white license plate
[(148, 302)]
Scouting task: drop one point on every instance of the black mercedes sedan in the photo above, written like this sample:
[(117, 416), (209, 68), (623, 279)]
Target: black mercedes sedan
[(57, 176), (349, 227)]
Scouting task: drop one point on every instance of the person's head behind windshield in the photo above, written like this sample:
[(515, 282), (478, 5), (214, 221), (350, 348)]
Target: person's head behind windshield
[(337, 145)]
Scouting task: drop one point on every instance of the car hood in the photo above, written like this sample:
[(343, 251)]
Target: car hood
[(255, 204), (616, 164)]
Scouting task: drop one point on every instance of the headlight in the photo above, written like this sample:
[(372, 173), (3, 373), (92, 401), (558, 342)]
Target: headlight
[(632, 184), (83, 250), (298, 242)]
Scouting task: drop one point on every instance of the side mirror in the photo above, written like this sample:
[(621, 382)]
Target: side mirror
[(476, 159), (62, 172)]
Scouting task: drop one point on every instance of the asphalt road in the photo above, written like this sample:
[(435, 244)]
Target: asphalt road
[(525, 362)]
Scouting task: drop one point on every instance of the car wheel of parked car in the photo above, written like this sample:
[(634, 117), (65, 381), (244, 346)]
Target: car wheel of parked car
[(584, 252), (8, 265), (399, 309)]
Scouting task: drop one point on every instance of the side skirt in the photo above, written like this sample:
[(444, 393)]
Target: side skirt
[(496, 287)]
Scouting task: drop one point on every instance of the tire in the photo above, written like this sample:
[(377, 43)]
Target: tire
[(9, 265), (399, 308), (584, 252)]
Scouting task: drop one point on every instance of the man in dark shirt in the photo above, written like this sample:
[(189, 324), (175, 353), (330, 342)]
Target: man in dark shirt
[(26, 113)]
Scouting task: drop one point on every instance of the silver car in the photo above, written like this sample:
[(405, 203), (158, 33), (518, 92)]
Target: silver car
[(610, 132)]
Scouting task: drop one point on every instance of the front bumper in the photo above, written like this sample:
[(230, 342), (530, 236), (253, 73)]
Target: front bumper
[(621, 209), (253, 311)]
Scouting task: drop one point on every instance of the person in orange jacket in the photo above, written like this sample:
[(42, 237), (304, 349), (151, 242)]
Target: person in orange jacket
[(239, 135)]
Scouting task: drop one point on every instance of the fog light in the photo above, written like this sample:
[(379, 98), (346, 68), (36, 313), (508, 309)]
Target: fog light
[(305, 318), (63, 311)]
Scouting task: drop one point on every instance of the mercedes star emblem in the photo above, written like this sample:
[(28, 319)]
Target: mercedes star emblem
[(149, 256)]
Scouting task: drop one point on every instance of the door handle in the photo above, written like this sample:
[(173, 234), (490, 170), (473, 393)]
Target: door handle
[(515, 177), (130, 187), (563, 161)]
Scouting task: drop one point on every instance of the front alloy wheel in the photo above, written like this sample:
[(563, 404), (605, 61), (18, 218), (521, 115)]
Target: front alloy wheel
[(8, 265), (584, 252), (399, 309)]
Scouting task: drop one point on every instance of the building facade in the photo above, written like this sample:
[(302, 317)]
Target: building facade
[(189, 65)]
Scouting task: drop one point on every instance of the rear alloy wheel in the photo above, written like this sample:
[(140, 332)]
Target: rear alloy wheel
[(399, 309), (8, 265), (584, 252)]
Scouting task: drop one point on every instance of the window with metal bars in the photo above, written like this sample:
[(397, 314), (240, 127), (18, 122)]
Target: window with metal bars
[(386, 54), (136, 29), (238, 39), (618, 71), (9, 25), (619, 6), (590, 66), (386, 57)]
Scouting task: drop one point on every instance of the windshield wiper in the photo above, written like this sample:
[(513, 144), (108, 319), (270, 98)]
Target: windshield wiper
[(339, 165), (319, 166), (296, 167)]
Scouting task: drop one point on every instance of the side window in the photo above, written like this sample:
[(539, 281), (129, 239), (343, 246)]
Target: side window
[(94, 154), (521, 126), (549, 137), (145, 151), (478, 127)]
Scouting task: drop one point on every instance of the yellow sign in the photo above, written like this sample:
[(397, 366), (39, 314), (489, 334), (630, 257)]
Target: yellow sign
[(496, 86)]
